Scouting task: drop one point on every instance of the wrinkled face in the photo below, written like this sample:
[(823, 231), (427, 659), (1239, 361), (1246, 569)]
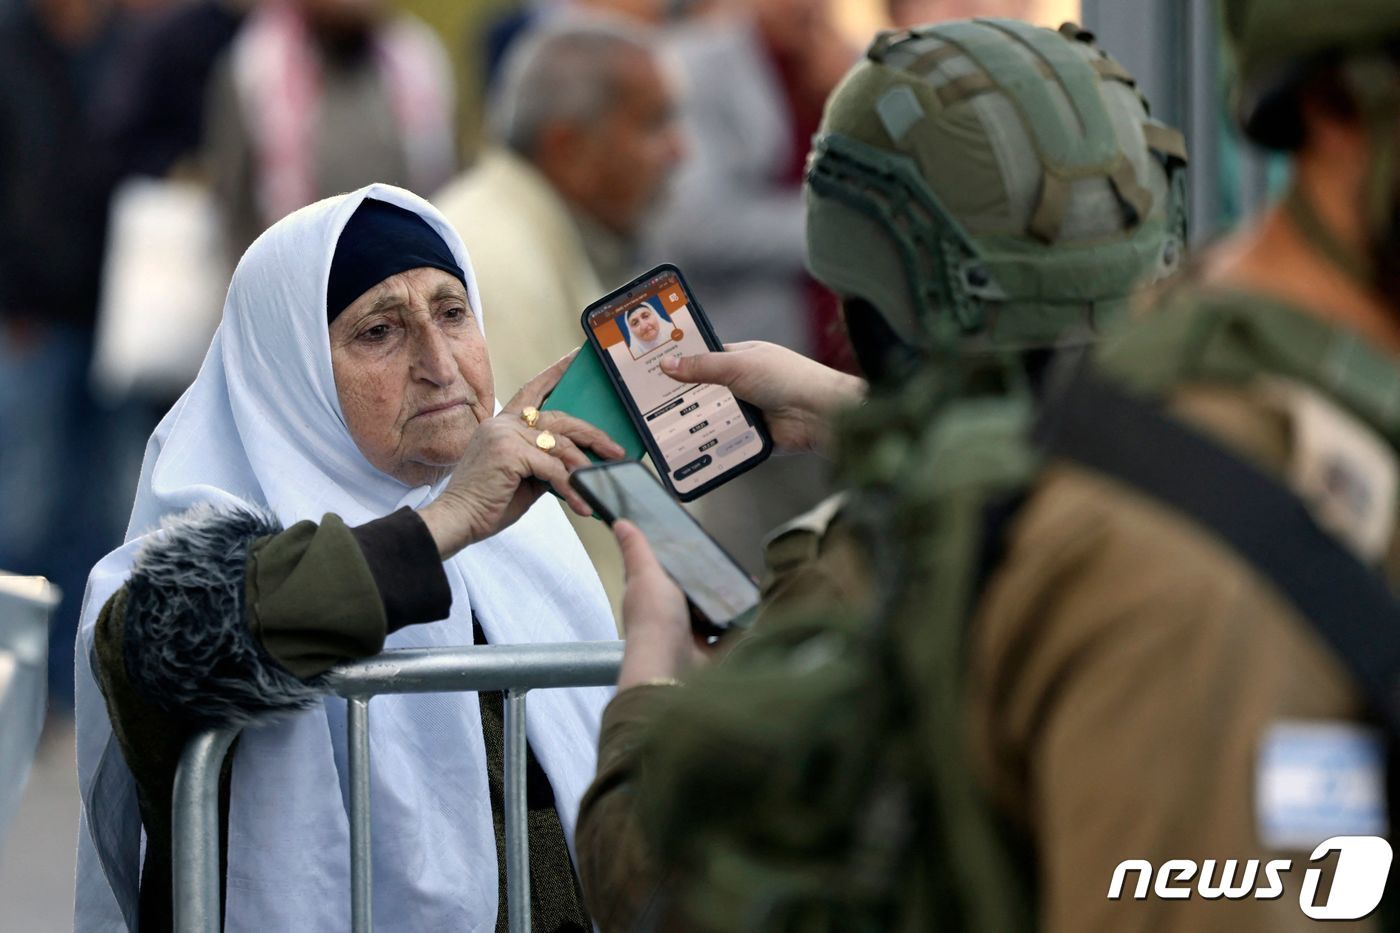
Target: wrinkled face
[(644, 323), (412, 374), (634, 150)]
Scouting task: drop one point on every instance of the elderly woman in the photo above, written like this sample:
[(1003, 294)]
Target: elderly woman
[(337, 481)]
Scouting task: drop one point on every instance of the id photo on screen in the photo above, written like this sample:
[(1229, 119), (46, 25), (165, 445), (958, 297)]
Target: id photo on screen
[(699, 430), (646, 327), (639, 337)]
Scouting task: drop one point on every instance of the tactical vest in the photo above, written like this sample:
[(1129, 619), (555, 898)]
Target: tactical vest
[(845, 799)]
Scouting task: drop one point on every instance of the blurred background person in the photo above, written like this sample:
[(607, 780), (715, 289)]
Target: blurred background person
[(753, 75), (150, 115), (59, 505), (584, 119), (164, 271), (55, 514), (316, 97), (585, 142), (907, 13), (754, 78), (502, 31)]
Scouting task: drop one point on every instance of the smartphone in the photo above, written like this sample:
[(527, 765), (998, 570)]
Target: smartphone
[(720, 593), (698, 436)]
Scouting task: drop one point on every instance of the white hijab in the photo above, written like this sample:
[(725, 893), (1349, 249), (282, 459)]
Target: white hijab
[(262, 425)]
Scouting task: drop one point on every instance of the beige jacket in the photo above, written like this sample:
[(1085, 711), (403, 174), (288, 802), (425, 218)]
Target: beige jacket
[(1128, 673), (535, 279)]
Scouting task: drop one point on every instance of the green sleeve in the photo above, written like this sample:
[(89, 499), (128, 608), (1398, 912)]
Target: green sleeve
[(311, 599), (620, 873), (223, 619)]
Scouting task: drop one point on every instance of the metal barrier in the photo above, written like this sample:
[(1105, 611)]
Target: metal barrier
[(25, 606), (515, 669)]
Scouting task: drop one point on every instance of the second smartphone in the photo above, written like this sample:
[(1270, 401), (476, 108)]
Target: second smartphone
[(720, 593), (698, 436)]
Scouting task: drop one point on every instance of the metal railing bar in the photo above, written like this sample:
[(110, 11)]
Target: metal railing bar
[(517, 812), (361, 893), (479, 668), (195, 835)]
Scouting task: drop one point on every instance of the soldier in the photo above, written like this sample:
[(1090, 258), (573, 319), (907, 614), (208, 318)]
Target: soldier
[(981, 186)]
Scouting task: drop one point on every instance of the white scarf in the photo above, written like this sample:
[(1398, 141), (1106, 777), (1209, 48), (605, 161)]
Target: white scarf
[(262, 425)]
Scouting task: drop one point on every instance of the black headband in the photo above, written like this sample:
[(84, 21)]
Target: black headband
[(378, 241)]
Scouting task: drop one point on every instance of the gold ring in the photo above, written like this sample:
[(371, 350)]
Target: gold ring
[(545, 441), (531, 414)]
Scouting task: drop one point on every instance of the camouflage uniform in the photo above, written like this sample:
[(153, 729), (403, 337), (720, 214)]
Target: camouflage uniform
[(1130, 676)]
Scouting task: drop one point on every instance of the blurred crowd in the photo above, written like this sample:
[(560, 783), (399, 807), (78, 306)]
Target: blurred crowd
[(145, 143)]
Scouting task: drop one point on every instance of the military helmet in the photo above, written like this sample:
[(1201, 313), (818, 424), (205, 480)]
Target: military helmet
[(1276, 41), (988, 182)]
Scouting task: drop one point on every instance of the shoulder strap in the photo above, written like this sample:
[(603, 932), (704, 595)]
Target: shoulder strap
[(1101, 427)]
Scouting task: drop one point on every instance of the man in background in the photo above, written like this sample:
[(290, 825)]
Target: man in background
[(151, 112), (756, 77), (57, 512), (585, 122), (317, 97)]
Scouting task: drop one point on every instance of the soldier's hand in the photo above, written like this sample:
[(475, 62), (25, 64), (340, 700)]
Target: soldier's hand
[(655, 617), (798, 396)]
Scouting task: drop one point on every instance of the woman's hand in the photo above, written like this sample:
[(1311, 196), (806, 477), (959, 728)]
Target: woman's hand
[(504, 469), (655, 617), (798, 396)]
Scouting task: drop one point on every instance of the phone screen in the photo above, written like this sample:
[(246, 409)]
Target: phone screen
[(716, 586), (699, 431)]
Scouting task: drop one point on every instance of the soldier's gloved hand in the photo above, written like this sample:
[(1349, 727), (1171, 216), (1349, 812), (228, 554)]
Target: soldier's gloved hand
[(655, 617), (798, 396)]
